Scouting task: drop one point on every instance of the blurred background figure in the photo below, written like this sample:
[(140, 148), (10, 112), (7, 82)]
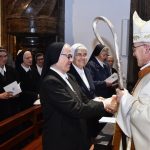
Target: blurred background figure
[(110, 60), (39, 62), (9, 104)]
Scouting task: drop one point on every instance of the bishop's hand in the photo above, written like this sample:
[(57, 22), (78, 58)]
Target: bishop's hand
[(111, 104)]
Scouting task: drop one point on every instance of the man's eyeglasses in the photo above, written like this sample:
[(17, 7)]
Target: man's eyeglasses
[(69, 56), (134, 47), (39, 59)]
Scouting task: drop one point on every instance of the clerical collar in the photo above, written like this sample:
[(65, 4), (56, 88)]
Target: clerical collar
[(100, 62), (148, 64), (25, 68)]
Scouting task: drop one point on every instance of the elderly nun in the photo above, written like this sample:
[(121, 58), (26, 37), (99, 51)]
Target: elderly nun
[(28, 79)]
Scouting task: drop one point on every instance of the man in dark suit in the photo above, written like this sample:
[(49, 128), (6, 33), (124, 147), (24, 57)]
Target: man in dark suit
[(39, 62), (65, 108), (110, 61), (9, 104)]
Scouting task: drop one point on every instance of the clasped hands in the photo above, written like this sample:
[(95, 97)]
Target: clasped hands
[(110, 104)]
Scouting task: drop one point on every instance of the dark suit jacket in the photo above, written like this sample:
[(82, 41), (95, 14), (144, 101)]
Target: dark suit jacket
[(10, 106), (38, 78), (65, 113), (35, 67), (99, 74)]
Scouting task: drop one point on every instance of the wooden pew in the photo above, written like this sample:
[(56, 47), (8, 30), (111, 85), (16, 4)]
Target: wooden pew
[(36, 144), (32, 117)]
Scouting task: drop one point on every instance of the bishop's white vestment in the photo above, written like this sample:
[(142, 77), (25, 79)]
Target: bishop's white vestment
[(134, 113)]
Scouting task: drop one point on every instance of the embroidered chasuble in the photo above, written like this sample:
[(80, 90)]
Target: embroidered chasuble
[(138, 112)]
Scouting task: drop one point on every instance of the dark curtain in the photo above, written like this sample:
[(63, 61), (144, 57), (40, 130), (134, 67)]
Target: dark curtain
[(143, 9)]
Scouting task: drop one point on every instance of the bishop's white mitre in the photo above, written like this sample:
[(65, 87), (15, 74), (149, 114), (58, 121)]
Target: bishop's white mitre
[(141, 29)]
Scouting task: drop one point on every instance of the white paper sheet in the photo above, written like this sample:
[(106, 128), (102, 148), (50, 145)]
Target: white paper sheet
[(13, 87), (112, 78), (107, 120)]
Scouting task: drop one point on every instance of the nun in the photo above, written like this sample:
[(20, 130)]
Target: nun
[(28, 79), (85, 81), (78, 70), (65, 108), (100, 71)]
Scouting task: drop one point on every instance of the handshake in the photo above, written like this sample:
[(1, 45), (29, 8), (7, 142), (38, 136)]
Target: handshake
[(110, 104)]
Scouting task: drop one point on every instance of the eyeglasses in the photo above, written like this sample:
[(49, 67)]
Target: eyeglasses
[(134, 47), (39, 59), (69, 56)]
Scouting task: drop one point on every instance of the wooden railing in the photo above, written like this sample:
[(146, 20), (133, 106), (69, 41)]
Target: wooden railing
[(24, 125)]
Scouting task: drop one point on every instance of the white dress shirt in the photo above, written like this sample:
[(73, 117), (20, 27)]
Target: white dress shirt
[(39, 69), (2, 70)]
